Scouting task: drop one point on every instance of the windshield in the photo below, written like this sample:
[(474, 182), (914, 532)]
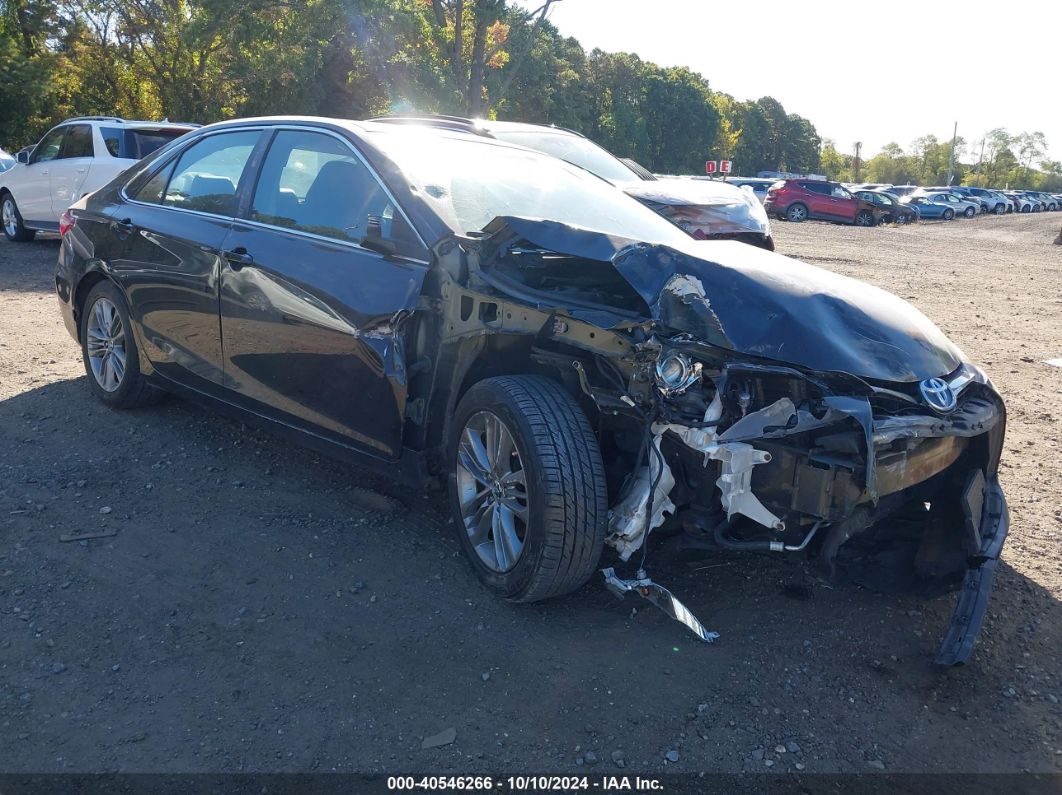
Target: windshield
[(469, 182), (574, 149)]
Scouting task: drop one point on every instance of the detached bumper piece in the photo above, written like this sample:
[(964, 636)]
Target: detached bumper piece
[(659, 596), (987, 525)]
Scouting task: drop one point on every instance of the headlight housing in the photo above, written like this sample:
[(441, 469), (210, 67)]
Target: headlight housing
[(675, 373)]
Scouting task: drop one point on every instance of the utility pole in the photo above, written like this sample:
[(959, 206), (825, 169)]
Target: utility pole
[(951, 160), (980, 160), (855, 165)]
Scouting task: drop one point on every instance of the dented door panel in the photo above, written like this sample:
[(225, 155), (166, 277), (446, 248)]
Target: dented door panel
[(312, 334)]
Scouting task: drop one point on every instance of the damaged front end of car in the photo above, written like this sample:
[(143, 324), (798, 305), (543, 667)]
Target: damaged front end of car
[(749, 402)]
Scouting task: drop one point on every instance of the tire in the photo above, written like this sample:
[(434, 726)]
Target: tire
[(900, 219), (796, 213), (864, 218), (113, 368), (11, 218), (555, 455), (949, 214), (1000, 209), (969, 212)]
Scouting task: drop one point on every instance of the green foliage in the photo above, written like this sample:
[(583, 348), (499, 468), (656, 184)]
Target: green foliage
[(206, 60)]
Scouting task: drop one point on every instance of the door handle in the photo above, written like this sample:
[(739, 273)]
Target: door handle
[(123, 228), (238, 257)]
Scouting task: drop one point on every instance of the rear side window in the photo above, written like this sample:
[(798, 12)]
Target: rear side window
[(154, 190), (77, 142), (208, 172), (134, 144), (315, 183), (816, 187)]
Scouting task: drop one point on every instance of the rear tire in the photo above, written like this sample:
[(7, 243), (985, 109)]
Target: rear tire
[(14, 229), (864, 218), (796, 213), (543, 494), (109, 351)]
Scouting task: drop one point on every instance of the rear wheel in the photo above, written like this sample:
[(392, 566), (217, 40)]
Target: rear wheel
[(528, 487), (864, 218), (110, 353), (797, 213), (14, 229)]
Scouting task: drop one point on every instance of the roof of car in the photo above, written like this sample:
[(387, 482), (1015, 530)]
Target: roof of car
[(477, 126)]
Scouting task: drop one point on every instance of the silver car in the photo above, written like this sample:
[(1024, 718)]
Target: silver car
[(962, 206)]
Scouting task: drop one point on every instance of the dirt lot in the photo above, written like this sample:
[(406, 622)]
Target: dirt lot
[(260, 609)]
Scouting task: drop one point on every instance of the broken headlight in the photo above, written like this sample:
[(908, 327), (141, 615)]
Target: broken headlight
[(675, 373)]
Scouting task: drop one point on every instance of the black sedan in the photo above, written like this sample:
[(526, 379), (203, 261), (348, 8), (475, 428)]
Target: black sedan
[(576, 369), (893, 212)]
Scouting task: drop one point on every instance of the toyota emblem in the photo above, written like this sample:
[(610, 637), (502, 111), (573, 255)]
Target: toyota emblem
[(937, 394)]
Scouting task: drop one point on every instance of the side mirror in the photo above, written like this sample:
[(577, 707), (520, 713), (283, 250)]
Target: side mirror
[(374, 239), (24, 155)]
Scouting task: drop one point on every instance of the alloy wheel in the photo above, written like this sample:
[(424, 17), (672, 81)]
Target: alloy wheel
[(492, 491), (106, 344), (10, 219)]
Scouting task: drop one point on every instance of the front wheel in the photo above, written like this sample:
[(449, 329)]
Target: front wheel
[(864, 218), (528, 488), (1000, 209), (969, 212), (900, 219), (110, 353), (949, 214), (14, 229), (797, 213)]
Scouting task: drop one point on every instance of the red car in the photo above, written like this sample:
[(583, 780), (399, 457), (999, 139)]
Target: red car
[(801, 199)]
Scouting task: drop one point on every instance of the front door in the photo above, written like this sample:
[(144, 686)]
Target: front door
[(167, 255), (309, 312), (34, 190)]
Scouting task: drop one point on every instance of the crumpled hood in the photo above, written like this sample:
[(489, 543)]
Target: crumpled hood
[(711, 206), (762, 304), (665, 190)]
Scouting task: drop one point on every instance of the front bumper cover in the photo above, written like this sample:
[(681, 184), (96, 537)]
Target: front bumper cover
[(992, 520)]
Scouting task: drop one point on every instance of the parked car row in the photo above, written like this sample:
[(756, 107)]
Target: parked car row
[(984, 200)]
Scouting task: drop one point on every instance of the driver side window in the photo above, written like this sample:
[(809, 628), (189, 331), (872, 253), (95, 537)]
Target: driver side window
[(48, 149), (315, 183)]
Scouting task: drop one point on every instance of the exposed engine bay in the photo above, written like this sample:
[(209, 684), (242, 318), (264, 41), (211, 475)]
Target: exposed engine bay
[(769, 408)]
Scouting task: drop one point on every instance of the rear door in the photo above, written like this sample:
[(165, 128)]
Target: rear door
[(166, 251), (72, 166), (308, 310)]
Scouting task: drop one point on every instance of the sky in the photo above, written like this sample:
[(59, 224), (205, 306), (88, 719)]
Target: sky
[(875, 72)]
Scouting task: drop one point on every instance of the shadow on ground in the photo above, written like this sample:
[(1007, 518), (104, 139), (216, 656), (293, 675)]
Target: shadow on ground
[(259, 609)]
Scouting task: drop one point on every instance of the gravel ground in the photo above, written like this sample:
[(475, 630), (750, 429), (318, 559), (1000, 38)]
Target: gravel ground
[(260, 609)]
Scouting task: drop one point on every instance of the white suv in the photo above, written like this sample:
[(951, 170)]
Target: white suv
[(74, 158)]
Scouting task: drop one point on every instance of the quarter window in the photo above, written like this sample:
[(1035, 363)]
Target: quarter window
[(208, 172), (315, 183)]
